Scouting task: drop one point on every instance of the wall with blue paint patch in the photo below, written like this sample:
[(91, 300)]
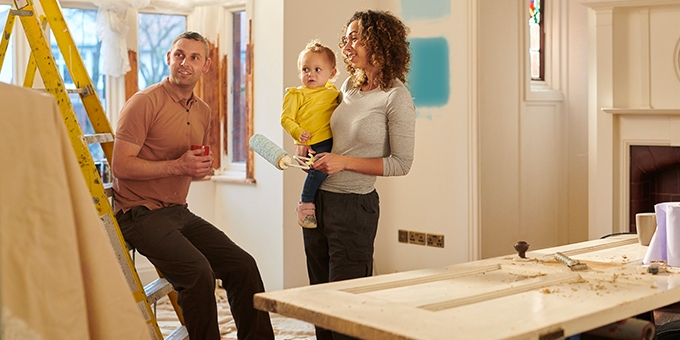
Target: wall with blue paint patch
[(412, 10), (429, 76), (433, 198), (491, 167)]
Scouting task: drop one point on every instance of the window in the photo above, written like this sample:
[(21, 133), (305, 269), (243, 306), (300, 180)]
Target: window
[(238, 89), (536, 40), (156, 33), (543, 39), (6, 69)]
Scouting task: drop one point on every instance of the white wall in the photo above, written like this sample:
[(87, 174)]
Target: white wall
[(435, 196), (252, 215), (430, 199), (532, 137)]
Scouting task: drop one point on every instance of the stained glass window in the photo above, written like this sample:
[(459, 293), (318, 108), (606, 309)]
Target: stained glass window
[(536, 39)]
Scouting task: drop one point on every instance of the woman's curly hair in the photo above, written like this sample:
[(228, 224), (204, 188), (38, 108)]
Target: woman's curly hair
[(384, 37)]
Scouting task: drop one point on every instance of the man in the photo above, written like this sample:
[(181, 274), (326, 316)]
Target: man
[(153, 167)]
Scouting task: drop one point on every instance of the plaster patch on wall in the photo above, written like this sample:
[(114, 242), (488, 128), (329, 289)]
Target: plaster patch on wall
[(416, 9), (428, 80)]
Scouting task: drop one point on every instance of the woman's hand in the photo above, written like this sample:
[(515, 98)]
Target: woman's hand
[(330, 163)]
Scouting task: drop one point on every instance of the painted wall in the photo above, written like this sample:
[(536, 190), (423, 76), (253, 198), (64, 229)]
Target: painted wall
[(252, 215), (532, 136), (434, 197)]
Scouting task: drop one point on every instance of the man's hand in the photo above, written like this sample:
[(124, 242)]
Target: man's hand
[(127, 165), (194, 164)]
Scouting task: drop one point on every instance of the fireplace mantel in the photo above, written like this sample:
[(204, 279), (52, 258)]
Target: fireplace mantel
[(627, 111), (608, 4)]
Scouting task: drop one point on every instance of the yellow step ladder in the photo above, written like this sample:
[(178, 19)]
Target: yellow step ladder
[(43, 59)]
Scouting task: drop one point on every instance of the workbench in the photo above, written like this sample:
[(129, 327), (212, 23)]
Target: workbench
[(507, 297)]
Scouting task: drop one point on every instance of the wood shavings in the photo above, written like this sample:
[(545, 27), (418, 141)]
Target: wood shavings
[(549, 291)]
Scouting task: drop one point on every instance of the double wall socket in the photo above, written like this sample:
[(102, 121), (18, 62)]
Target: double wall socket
[(435, 240), (420, 238), (415, 237)]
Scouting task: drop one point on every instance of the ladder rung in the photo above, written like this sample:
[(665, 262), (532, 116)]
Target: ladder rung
[(179, 334), (157, 289), (108, 189), (98, 138), (85, 91), (21, 12)]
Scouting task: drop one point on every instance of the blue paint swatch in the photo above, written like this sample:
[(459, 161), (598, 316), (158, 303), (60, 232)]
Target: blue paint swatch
[(428, 80), (430, 9)]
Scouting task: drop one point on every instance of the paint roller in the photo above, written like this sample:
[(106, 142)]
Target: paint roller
[(275, 155)]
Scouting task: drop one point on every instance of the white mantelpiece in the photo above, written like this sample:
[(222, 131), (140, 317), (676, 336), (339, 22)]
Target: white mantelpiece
[(634, 67)]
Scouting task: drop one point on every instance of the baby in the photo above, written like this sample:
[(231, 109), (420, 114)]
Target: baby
[(306, 113)]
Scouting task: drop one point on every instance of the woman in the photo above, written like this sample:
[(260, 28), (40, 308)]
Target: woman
[(373, 135)]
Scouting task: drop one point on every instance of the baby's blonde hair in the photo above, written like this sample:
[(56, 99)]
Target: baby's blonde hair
[(316, 46)]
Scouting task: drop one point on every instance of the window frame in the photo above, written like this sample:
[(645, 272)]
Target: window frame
[(549, 88), (228, 167), (541, 47)]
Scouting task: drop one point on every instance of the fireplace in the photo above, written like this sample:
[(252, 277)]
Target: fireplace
[(654, 178), (634, 85)]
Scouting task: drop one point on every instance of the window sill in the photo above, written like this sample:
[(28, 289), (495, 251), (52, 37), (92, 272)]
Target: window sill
[(540, 91), (232, 177)]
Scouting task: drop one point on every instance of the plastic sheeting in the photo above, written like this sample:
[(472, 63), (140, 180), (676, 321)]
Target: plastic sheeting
[(112, 26), (60, 276), (112, 31)]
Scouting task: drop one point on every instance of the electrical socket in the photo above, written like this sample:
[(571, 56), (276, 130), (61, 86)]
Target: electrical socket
[(403, 236), (434, 240), (415, 237)]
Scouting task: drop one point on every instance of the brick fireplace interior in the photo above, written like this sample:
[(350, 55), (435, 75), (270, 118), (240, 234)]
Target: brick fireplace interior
[(654, 178)]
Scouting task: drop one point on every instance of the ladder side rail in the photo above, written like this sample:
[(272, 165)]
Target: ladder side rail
[(78, 71), (32, 67), (6, 35), (54, 84)]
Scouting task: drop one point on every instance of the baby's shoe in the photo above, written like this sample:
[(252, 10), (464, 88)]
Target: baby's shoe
[(306, 215)]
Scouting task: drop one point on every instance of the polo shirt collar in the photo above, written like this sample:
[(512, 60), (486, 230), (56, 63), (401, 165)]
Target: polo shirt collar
[(171, 89)]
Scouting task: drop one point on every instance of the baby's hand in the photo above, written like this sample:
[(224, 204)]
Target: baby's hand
[(305, 136)]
